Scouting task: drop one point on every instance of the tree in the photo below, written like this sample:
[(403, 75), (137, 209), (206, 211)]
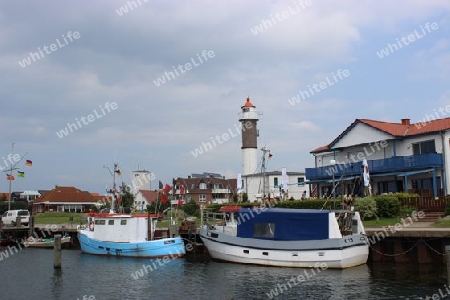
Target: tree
[(127, 196), (191, 208)]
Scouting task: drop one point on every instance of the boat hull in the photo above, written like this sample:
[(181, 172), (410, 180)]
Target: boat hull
[(43, 243), (342, 253), (168, 247)]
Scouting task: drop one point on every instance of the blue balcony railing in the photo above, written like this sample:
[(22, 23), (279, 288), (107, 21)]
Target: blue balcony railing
[(392, 164)]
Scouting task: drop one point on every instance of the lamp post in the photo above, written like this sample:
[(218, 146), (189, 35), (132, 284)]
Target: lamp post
[(333, 163)]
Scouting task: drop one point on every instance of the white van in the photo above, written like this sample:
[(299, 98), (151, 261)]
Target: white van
[(10, 217)]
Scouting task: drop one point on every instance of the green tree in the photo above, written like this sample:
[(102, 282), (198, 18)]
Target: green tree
[(127, 196), (191, 208), (3, 198)]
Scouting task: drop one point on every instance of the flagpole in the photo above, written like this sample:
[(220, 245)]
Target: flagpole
[(11, 168), (10, 181)]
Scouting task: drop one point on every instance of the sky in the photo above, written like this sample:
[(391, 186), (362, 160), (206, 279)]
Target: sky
[(145, 83)]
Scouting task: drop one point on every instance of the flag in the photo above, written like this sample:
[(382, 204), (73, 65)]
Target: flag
[(163, 198), (182, 190), (284, 179), (160, 185), (28, 163), (118, 172), (166, 188), (180, 202), (20, 174), (10, 177), (239, 182), (270, 155)]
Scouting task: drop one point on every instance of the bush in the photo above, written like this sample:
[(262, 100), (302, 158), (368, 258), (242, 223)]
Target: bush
[(191, 208), (311, 204), (387, 206), (367, 208), (14, 205)]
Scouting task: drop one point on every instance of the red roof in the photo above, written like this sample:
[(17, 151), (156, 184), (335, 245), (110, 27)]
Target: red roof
[(248, 103), (405, 128), (149, 196), (66, 194)]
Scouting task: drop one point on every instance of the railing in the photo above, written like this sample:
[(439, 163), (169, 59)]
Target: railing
[(221, 191), (392, 164), (426, 203)]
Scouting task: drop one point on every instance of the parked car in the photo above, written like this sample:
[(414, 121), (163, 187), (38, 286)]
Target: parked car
[(10, 217)]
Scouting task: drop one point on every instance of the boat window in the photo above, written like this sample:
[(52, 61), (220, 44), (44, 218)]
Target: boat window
[(264, 230), (110, 222), (99, 222), (123, 222)]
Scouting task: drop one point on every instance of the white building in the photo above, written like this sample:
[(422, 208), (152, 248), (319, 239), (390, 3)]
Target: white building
[(402, 157)]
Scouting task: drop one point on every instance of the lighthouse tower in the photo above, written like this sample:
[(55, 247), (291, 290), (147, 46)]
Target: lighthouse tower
[(248, 118)]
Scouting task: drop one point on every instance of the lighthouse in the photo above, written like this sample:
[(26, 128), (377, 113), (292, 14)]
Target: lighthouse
[(248, 118)]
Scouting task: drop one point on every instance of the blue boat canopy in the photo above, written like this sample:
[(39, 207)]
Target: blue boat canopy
[(283, 224)]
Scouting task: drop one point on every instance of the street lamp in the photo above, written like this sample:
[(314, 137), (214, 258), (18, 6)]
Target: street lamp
[(333, 163)]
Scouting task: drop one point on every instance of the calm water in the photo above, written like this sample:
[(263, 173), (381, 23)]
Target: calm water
[(29, 274)]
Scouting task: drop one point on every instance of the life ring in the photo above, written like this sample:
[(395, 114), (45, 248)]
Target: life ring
[(91, 226)]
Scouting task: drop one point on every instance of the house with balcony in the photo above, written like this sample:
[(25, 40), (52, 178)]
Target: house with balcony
[(205, 189), (401, 157)]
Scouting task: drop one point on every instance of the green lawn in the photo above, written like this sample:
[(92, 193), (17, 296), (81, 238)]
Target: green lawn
[(442, 223), (59, 218), (382, 222)]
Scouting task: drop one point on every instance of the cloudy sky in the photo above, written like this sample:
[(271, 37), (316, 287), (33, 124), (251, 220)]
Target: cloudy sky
[(268, 50)]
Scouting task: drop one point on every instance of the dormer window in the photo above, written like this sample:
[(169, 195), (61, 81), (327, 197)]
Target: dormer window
[(202, 186)]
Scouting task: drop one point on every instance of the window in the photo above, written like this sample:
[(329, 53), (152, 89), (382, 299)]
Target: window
[(424, 147), (202, 186), (123, 222), (300, 181), (202, 198), (264, 230), (110, 222), (99, 222), (275, 181)]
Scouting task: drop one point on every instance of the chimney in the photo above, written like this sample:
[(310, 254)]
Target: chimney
[(406, 122)]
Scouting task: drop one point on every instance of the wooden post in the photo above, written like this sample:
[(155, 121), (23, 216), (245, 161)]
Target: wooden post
[(57, 252), (447, 256)]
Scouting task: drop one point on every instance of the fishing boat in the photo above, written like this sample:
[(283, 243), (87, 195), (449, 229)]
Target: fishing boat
[(45, 242), (285, 237), (128, 235)]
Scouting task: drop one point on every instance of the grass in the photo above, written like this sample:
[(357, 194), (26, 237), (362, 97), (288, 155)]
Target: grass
[(59, 218), (382, 222), (442, 223)]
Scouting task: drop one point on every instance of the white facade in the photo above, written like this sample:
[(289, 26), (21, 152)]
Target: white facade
[(253, 186), (366, 142), (141, 180), (250, 159)]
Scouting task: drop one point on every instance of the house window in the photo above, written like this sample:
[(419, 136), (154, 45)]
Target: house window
[(275, 181), (202, 186), (202, 198), (300, 181), (424, 147), (264, 230)]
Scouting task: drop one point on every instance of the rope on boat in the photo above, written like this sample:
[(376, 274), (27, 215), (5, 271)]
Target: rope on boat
[(406, 251)]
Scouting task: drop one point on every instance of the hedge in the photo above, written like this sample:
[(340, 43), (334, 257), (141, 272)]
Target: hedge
[(387, 206)]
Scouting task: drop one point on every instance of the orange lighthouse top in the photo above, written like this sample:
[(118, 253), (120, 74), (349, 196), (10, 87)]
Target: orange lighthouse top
[(248, 103)]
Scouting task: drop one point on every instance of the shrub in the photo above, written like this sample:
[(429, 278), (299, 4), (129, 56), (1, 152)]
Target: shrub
[(311, 204), (367, 208), (387, 206)]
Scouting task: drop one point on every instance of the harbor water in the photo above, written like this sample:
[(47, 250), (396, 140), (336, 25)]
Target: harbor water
[(29, 274)]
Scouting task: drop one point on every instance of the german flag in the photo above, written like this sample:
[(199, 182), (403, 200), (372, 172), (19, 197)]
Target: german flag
[(28, 163)]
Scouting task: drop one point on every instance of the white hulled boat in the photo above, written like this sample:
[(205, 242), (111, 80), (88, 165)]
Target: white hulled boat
[(285, 237)]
